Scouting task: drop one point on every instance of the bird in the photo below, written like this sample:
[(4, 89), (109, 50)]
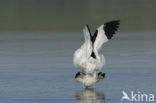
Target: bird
[(89, 79), (88, 56)]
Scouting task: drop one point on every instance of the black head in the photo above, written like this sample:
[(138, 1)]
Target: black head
[(79, 74), (101, 74)]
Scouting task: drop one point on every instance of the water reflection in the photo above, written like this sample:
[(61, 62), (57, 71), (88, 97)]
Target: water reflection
[(90, 95)]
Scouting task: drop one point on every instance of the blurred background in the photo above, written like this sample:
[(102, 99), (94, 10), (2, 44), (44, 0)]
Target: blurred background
[(38, 39), (71, 16)]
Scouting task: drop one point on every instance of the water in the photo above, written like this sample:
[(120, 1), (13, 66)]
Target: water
[(37, 68)]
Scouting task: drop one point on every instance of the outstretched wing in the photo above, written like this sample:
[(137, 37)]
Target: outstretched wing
[(82, 54), (104, 33), (87, 34)]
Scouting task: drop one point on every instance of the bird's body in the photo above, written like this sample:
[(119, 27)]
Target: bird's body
[(89, 79), (88, 56)]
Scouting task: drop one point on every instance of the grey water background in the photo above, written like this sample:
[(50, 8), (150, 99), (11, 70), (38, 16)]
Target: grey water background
[(38, 39)]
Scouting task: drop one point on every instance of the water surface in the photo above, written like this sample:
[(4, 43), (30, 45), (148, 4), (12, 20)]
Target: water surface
[(38, 68)]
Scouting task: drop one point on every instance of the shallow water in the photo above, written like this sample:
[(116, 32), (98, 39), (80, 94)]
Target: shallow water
[(37, 68)]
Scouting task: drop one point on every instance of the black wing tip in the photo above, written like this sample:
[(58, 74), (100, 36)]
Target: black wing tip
[(87, 25), (116, 20), (113, 21), (89, 30), (110, 28)]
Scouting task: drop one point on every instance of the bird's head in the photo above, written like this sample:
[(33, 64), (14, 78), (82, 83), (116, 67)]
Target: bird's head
[(100, 76), (80, 74)]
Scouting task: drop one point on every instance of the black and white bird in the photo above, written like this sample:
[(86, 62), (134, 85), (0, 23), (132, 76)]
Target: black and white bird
[(88, 56), (89, 79)]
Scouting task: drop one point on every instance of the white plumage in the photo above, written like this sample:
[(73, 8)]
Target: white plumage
[(88, 56), (82, 56), (88, 79)]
